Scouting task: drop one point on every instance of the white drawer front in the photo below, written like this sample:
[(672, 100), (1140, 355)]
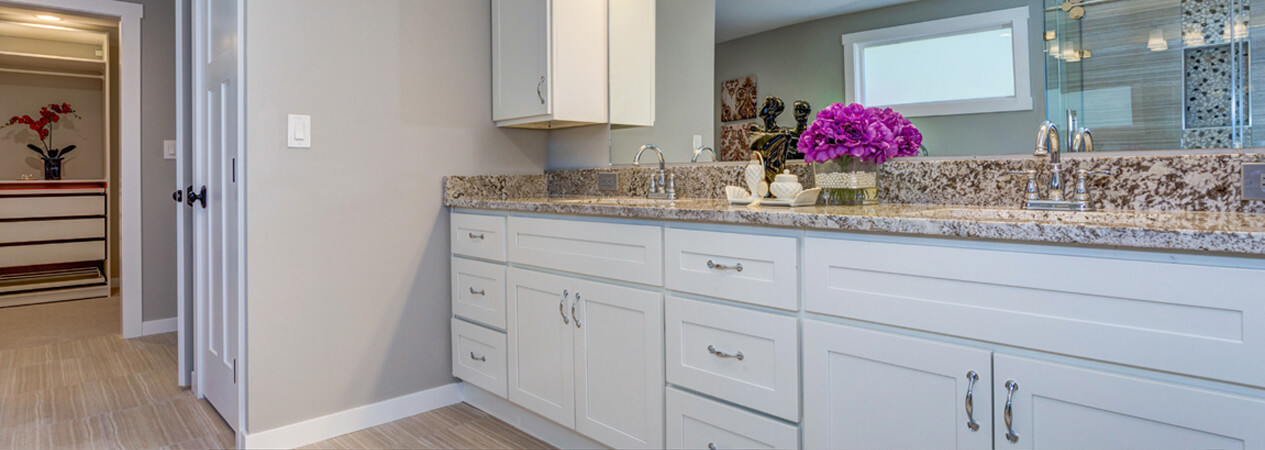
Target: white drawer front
[(52, 206), (632, 253), (33, 255), (1208, 319), (478, 356), (478, 291), (699, 335), (706, 263), (698, 423), (478, 236), (51, 230)]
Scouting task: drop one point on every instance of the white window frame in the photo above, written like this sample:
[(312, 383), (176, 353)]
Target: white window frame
[(1016, 19)]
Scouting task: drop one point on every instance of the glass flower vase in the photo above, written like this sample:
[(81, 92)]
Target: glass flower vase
[(52, 168), (846, 181)]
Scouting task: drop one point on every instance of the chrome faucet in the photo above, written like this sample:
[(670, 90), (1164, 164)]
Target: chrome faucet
[(662, 186), (700, 151), (1048, 146)]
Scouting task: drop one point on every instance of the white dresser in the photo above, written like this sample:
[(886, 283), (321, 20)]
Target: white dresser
[(53, 241)]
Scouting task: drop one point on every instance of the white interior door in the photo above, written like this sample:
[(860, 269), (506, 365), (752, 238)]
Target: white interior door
[(216, 152), (184, 214)]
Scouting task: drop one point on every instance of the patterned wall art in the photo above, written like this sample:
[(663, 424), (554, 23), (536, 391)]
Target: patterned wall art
[(733, 142), (738, 99)]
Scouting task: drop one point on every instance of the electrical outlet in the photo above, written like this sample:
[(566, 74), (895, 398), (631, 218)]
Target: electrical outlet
[(1254, 181), (607, 181)]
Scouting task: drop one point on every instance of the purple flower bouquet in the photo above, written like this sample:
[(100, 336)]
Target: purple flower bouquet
[(847, 143)]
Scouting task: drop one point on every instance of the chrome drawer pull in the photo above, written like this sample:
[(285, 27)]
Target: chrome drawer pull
[(476, 236), (712, 265), (970, 401), (573, 317), (712, 349), (562, 307), (1008, 414), (478, 292), (478, 358)]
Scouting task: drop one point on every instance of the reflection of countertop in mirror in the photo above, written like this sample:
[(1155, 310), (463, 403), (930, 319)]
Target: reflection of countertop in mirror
[(1237, 233)]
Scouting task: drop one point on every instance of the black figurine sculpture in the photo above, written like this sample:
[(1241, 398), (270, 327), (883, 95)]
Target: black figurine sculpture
[(774, 143)]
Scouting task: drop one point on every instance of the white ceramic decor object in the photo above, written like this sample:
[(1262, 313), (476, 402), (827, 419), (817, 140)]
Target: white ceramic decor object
[(737, 195), (755, 176), (786, 186), (806, 198)]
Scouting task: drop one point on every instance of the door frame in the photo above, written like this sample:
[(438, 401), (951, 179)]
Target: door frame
[(190, 135), (129, 101)]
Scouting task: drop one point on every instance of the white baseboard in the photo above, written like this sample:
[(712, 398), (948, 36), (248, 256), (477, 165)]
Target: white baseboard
[(159, 326), (355, 419), (527, 421)]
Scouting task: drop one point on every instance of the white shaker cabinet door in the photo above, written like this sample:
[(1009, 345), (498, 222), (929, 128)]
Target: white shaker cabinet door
[(520, 58), (1060, 406), (618, 364), (866, 389), (541, 375)]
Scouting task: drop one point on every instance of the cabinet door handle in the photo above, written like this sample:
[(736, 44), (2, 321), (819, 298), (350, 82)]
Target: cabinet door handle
[(971, 377), (478, 292), (573, 317), (540, 92), (712, 349), (480, 358), (476, 236), (562, 307), (1008, 414), (712, 265)]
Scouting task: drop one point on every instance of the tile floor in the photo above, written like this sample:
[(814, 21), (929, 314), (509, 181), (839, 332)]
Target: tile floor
[(73, 382)]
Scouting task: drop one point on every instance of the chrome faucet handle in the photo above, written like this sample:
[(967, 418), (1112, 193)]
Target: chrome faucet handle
[(1081, 191), (1030, 187), (671, 190)]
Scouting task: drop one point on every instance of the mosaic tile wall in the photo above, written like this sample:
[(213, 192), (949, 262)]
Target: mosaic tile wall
[(1212, 32)]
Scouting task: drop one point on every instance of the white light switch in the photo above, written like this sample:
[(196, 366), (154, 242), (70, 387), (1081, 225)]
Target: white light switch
[(299, 131), (169, 149)]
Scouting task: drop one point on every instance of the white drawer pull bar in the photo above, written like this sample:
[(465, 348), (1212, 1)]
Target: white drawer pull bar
[(478, 292), (478, 358), (712, 265), (712, 349), (476, 236), (972, 377)]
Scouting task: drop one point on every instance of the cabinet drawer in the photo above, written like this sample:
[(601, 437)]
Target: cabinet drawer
[(696, 423), (478, 356), (1209, 320), (478, 291), (52, 206), (478, 236), (761, 270), (704, 339), (32, 255), (632, 253), (51, 230)]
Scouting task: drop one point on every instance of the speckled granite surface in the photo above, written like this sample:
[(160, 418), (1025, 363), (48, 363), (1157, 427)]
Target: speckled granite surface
[(1230, 233), (494, 186)]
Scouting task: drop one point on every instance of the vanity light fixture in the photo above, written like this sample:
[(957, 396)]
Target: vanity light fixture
[(1156, 43), (47, 17), (1194, 37)]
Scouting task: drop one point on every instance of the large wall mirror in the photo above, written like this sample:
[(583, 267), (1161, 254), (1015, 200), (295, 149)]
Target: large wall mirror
[(975, 76)]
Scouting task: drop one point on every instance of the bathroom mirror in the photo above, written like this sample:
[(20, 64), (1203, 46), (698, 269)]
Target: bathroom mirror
[(975, 76)]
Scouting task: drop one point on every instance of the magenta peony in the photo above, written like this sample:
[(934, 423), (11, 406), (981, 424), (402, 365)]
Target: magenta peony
[(871, 134)]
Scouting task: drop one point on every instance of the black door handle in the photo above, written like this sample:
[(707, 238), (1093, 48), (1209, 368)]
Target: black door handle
[(178, 196), (196, 197)]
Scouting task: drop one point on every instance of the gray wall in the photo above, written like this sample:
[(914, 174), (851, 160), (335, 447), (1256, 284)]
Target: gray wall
[(684, 88), (348, 258), (805, 61)]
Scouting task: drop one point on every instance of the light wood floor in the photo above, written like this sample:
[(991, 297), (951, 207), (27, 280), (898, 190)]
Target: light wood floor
[(103, 391)]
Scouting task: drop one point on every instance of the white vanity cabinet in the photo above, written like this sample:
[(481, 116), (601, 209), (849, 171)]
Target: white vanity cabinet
[(588, 356)]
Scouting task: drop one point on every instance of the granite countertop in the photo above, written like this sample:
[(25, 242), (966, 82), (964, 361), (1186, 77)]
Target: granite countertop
[(1218, 232)]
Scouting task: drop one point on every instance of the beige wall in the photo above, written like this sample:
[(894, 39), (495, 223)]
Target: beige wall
[(25, 94), (348, 253)]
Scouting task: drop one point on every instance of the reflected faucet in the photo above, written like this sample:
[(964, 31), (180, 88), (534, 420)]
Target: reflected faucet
[(1050, 132), (700, 151), (1083, 141), (660, 184)]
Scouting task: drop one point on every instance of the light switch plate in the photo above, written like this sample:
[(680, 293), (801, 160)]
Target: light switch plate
[(607, 181), (299, 131), (1254, 181), (169, 149)]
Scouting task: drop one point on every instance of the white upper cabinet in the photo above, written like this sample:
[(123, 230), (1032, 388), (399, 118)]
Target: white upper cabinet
[(552, 60)]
